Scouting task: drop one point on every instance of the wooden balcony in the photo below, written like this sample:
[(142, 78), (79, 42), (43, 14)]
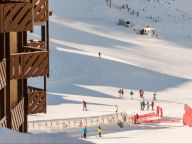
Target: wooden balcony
[(26, 65), (18, 115), (16, 16), (2, 74), (36, 100), (41, 12), (3, 122)]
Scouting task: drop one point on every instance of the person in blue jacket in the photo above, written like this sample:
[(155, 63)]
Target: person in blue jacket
[(84, 131)]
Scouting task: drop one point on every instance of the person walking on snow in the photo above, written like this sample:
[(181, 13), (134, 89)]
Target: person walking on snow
[(122, 92), (148, 105), (141, 105), (131, 93), (154, 96), (141, 93), (99, 54), (99, 131), (116, 108), (152, 105), (84, 106), (119, 93), (84, 131)]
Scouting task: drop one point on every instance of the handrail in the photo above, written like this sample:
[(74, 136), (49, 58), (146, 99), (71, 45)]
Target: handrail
[(27, 53), (34, 49), (29, 64), (36, 100), (31, 89)]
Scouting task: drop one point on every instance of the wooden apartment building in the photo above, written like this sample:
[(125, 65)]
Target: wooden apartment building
[(22, 58)]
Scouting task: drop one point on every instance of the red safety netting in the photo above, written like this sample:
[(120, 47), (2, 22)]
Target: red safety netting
[(187, 117)]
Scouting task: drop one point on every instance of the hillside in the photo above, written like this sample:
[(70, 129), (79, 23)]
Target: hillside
[(80, 29)]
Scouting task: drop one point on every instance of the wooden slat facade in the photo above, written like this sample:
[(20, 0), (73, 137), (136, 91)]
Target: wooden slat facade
[(3, 122), (26, 65), (18, 115), (41, 12), (2, 74), (36, 101), (15, 17), (21, 58)]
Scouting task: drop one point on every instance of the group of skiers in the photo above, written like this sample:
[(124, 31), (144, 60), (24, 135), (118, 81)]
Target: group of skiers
[(142, 104), (84, 131), (141, 95), (121, 93)]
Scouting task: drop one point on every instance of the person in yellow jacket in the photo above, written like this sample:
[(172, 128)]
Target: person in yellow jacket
[(99, 131)]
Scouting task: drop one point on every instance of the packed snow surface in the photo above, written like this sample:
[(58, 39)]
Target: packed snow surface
[(79, 29)]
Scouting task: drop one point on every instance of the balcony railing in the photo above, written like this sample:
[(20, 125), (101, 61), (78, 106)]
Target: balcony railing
[(18, 115), (25, 65), (40, 11), (36, 100), (16, 16), (3, 122), (36, 44), (2, 74)]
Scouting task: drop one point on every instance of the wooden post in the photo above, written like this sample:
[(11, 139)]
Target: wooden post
[(43, 33), (47, 34), (20, 81), (8, 97), (47, 40), (24, 90), (2, 92)]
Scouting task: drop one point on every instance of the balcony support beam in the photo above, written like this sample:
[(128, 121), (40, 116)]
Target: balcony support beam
[(2, 91), (8, 97)]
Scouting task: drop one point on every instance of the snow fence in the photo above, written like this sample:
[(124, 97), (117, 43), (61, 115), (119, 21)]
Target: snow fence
[(61, 124)]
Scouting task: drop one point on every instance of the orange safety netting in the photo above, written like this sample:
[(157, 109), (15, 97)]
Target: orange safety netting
[(187, 117)]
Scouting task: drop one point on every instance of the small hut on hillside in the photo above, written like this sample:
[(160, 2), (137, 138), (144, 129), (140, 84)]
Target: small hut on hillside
[(148, 31), (125, 23)]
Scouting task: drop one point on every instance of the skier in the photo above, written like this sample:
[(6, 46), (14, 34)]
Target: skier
[(143, 103), (131, 93), (99, 131), (99, 54), (119, 93), (116, 108), (84, 131), (136, 119), (148, 105), (141, 93), (84, 106), (154, 96), (152, 105), (122, 92)]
